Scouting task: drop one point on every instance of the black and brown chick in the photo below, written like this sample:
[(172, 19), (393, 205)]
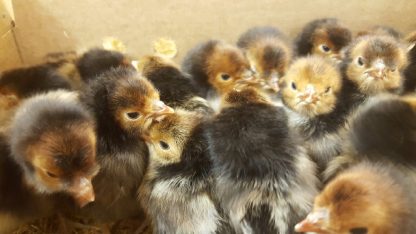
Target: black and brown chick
[(216, 67), (312, 90), (176, 88), (373, 65), (269, 53), (324, 37), (38, 161), (381, 131), (122, 102), (410, 71), (365, 199), (27, 81), (264, 180), (176, 191)]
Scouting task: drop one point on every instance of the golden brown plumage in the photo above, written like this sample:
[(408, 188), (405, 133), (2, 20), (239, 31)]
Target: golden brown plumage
[(367, 198), (216, 67), (374, 64)]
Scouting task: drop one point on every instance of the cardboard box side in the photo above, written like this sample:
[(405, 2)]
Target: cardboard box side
[(45, 26), (9, 52)]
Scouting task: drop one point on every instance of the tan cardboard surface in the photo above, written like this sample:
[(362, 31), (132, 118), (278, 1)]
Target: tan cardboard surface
[(45, 26), (9, 56)]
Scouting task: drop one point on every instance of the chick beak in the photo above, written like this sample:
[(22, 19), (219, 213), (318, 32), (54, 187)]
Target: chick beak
[(82, 191), (379, 71), (160, 110), (313, 222), (309, 96), (273, 82), (336, 58), (249, 77)]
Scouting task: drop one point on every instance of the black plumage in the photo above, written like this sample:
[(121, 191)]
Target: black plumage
[(256, 164), (25, 82), (409, 73)]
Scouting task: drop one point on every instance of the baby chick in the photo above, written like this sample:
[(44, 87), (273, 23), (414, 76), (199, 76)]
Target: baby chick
[(25, 82), (269, 53), (176, 190), (373, 65), (216, 67), (96, 61), (313, 92), (325, 37), (176, 88), (367, 198), (122, 103), (381, 130), (38, 161), (264, 179), (410, 71)]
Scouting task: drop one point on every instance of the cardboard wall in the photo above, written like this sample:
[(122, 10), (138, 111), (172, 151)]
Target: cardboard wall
[(47, 26), (9, 52)]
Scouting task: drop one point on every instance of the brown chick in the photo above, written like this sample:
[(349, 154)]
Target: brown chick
[(365, 199), (216, 67), (373, 65), (38, 161), (324, 37), (176, 88), (122, 102), (269, 53), (312, 90)]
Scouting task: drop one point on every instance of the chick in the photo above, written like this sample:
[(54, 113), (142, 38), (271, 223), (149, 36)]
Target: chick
[(381, 130), (25, 82), (373, 65), (312, 90), (269, 53), (264, 179), (325, 37), (96, 61), (122, 102), (8, 106), (176, 191), (381, 31), (410, 71), (38, 161), (216, 67), (381, 203), (176, 88)]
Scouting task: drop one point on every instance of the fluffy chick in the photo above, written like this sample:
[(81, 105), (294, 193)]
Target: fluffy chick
[(269, 53), (25, 82), (216, 67), (38, 161), (176, 191), (312, 90), (382, 203), (325, 37), (264, 180), (176, 88), (410, 71), (382, 130), (96, 61), (122, 102), (373, 65)]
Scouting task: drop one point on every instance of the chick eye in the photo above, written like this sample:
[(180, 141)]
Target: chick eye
[(225, 76), (50, 174), (164, 145), (132, 115), (293, 86), (325, 48), (327, 89), (360, 61), (358, 231)]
